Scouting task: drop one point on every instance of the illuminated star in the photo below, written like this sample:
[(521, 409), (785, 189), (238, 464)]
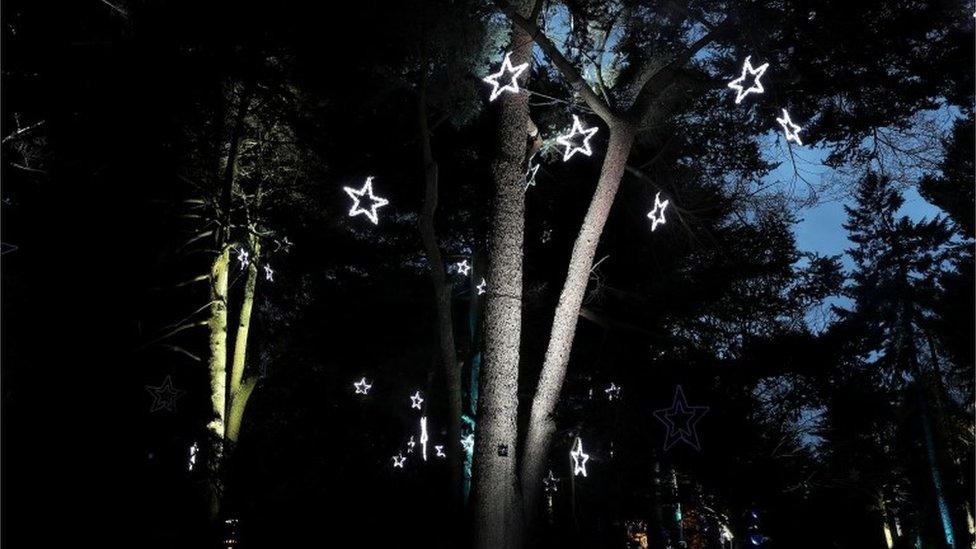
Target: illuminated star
[(747, 69), (680, 420), (439, 448), (362, 387), (481, 287), (567, 140), (530, 175), (410, 444), (268, 273), (507, 67), (551, 483), (242, 258), (467, 443), (792, 130), (193, 456), (463, 267), (164, 396), (398, 460), (416, 400), (613, 391), (375, 201), (656, 215), (579, 458), (283, 244)]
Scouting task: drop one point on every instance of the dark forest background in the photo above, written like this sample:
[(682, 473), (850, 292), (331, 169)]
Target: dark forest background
[(818, 435)]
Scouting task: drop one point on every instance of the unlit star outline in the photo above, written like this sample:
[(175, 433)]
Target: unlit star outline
[(164, 395), (686, 430)]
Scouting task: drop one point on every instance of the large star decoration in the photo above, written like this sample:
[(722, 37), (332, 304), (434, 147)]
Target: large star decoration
[(656, 215), (399, 460), (416, 400), (579, 458), (747, 69), (680, 420), (791, 130), (515, 72), (362, 387), (164, 396), (375, 201), (571, 147)]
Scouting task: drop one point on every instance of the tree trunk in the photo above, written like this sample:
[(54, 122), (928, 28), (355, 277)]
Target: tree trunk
[(497, 514), (238, 393), (218, 340), (442, 300), (541, 427)]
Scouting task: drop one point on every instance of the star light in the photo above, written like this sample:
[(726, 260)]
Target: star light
[(165, 395), (579, 458), (242, 258), (613, 391), (283, 244), (492, 79), (566, 140), (656, 215), (747, 68), (410, 444), (530, 175), (792, 130), (680, 420), (416, 400), (481, 287), (551, 483), (423, 436), (376, 202), (467, 443), (268, 273), (439, 449), (193, 456), (362, 386), (398, 460), (463, 267)]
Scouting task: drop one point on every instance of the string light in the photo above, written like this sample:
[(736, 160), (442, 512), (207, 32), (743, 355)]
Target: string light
[(463, 267), (579, 458), (362, 386), (566, 140), (613, 391), (656, 215), (481, 287), (375, 201), (423, 436), (399, 460), (416, 400), (747, 69), (268, 273), (498, 89), (791, 130)]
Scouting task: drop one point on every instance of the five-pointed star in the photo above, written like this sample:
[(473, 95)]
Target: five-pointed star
[(416, 400), (410, 444), (268, 273), (375, 201), (463, 267), (283, 244), (242, 257), (193, 457), (567, 140), (656, 215), (481, 287), (530, 175), (579, 458), (680, 419), (439, 448), (613, 391), (165, 395), (747, 69), (467, 443), (398, 460), (792, 130), (551, 482), (507, 67), (362, 386)]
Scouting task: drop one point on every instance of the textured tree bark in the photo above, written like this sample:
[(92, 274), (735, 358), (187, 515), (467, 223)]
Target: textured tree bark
[(497, 514), (218, 340), (238, 395), (442, 300), (541, 427)]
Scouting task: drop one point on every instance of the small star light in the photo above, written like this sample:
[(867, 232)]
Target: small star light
[(481, 287), (551, 483), (416, 400), (268, 273), (410, 444), (193, 456), (613, 391), (284, 244), (376, 202), (680, 420), (579, 458), (398, 460), (792, 130), (467, 443), (242, 258), (439, 449), (423, 436), (463, 267), (507, 67), (530, 175), (656, 215), (362, 387), (747, 68), (566, 140), (164, 396)]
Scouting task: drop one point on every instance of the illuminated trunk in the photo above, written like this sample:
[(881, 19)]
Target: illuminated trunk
[(240, 391), (541, 426), (218, 340), (496, 509)]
